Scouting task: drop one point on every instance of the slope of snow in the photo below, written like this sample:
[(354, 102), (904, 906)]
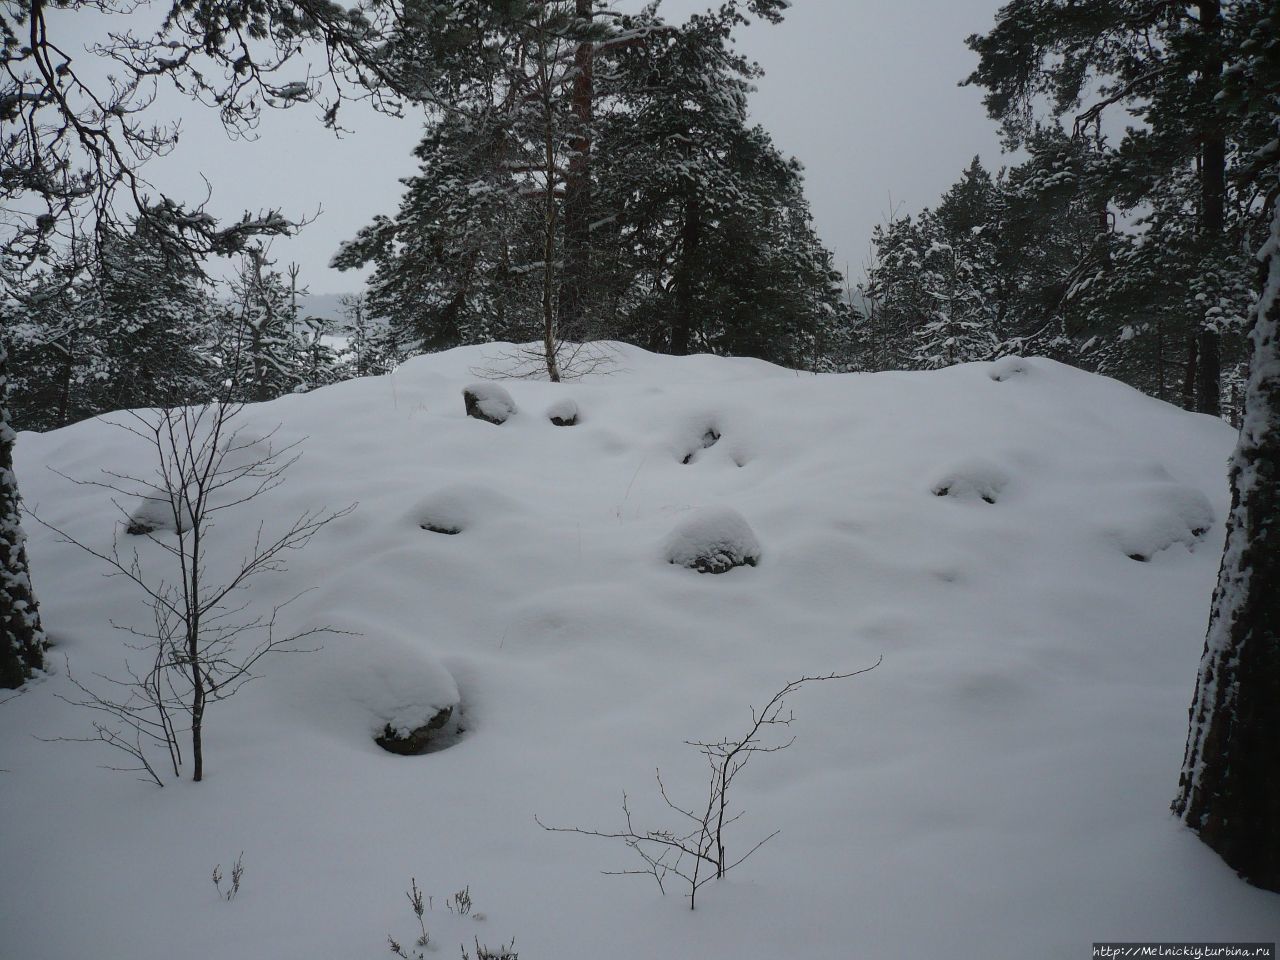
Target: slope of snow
[(998, 787)]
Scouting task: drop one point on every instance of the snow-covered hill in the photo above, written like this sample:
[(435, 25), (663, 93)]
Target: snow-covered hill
[(1030, 548)]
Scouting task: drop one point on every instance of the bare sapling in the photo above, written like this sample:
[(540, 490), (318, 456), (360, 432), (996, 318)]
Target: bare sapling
[(203, 640), (696, 850)]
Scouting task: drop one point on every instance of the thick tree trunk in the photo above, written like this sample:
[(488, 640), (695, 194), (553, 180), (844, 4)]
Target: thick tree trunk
[(21, 636), (1213, 192), (1229, 791), (1209, 385), (577, 196)]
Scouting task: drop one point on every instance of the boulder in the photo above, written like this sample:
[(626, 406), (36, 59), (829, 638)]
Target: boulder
[(410, 743), (563, 413), (488, 402), (713, 540)]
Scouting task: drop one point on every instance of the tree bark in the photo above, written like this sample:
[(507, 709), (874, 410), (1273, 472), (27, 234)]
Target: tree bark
[(1190, 374), (690, 239), (578, 193), (550, 335), (1213, 190), (1229, 790)]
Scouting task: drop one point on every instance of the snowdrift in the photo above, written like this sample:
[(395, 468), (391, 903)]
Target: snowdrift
[(1031, 549)]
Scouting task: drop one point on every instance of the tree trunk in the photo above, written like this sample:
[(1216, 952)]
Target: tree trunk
[(577, 196), (1229, 790), (1190, 374), (1213, 191), (690, 238), (21, 636), (550, 337), (1209, 385), (64, 387)]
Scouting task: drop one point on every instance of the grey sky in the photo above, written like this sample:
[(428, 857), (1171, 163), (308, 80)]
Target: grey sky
[(864, 93)]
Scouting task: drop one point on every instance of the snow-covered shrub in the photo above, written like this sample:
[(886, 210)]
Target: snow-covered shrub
[(713, 540), (489, 402)]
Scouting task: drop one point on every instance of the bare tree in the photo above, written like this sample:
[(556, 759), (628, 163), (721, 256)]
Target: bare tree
[(203, 641), (696, 851)]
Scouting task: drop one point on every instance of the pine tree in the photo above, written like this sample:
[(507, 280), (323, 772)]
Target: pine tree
[(1166, 63), (634, 203), (21, 636), (708, 213)]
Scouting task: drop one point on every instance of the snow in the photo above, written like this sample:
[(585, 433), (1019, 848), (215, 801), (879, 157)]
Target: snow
[(997, 787)]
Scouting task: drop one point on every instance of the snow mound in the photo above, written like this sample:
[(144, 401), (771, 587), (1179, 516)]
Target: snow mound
[(1162, 515), (1006, 368), (713, 540), (563, 413), (488, 401), (154, 514), (454, 508), (973, 480), (352, 688)]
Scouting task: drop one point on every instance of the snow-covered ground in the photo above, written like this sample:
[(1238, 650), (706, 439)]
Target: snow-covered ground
[(998, 787)]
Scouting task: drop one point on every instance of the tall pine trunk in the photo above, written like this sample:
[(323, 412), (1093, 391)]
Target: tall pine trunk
[(578, 195), (1213, 190), (1229, 791), (690, 239), (21, 636)]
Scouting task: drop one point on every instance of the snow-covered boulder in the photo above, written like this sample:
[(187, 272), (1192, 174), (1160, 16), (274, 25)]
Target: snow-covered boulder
[(713, 540), (406, 696), (973, 480), (154, 513), (488, 401), (454, 508), (1161, 516), (1006, 368), (710, 436), (563, 413), (420, 739)]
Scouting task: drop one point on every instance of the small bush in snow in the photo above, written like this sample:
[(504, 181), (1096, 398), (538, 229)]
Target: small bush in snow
[(237, 874), (505, 952), (417, 903), (695, 851)]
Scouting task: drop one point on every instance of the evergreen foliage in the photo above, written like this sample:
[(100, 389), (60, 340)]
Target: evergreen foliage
[(693, 227), (21, 636)]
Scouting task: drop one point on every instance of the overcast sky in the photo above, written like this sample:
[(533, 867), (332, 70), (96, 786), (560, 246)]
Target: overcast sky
[(863, 92)]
